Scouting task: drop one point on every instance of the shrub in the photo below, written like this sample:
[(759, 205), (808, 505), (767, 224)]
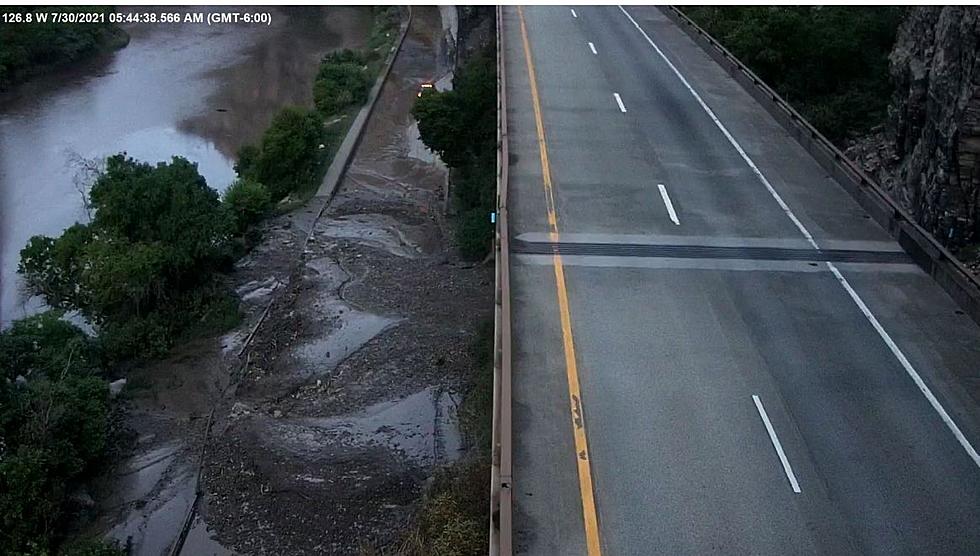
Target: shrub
[(141, 336), (460, 537), (249, 201), (287, 158), (474, 233), (343, 80), (453, 519), (92, 547), (386, 20)]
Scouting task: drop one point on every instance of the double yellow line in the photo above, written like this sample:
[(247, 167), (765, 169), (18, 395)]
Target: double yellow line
[(571, 368)]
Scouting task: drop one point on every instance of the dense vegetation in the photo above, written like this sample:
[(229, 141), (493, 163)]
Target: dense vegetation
[(460, 126), (287, 158), (54, 404), (26, 48), (829, 62), (143, 269), (343, 80)]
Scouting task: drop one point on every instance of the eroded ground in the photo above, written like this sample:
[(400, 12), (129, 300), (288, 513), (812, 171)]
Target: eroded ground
[(343, 403)]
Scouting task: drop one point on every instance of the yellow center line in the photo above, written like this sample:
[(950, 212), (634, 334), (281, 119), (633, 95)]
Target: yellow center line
[(571, 368)]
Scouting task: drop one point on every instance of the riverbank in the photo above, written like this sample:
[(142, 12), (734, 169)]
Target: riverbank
[(336, 325), (29, 49), (348, 405), (338, 397), (204, 108), (159, 432)]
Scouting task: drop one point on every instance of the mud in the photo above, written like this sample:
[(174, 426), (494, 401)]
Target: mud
[(331, 420), (348, 405)]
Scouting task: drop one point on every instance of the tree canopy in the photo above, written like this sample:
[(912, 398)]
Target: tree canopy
[(461, 127), (158, 233), (54, 408), (24, 48), (830, 62)]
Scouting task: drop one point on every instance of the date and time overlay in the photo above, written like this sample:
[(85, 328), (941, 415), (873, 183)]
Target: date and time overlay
[(152, 17)]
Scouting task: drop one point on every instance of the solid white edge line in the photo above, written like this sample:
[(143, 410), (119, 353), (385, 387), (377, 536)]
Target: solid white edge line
[(787, 468), (907, 365), (592, 47), (573, 12), (619, 101), (670, 206), (909, 369)]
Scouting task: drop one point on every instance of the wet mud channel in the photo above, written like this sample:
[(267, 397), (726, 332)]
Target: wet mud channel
[(335, 401)]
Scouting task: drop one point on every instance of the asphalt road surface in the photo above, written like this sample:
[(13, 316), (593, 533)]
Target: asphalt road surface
[(726, 354)]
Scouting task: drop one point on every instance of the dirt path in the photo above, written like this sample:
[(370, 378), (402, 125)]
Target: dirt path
[(347, 405)]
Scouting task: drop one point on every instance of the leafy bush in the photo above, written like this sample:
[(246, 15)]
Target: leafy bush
[(53, 422), (343, 80), (474, 233), (287, 158), (386, 19), (461, 127), (249, 202), (45, 344), (830, 62), (158, 233)]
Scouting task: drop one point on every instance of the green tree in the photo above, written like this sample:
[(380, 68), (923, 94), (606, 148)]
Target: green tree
[(830, 62), (53, 421), (158, 233), (249, 202), (28, 47), (47, 345), (460, 126), (287, 158), (169, 204)]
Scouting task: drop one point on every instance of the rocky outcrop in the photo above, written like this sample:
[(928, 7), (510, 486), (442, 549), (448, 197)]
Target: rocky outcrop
[(934, 121), (476, 29)]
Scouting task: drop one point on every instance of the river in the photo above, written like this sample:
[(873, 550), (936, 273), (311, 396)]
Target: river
[(191, 90)]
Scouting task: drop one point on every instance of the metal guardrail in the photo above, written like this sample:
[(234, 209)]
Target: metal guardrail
[(501, 500), (961, 284)]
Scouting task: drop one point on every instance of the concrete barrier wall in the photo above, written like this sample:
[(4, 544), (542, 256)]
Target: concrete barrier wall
[(345, 153), (922, 246)]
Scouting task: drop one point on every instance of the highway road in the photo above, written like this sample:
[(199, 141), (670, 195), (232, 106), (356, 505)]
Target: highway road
[(726, 354)]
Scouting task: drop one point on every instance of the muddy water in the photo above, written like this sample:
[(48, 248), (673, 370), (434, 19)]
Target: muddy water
[(190, 90)]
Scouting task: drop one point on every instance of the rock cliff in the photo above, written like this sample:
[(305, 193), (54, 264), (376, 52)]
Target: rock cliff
[(934, 121)]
